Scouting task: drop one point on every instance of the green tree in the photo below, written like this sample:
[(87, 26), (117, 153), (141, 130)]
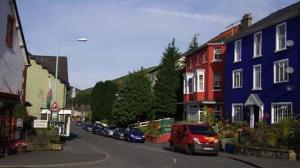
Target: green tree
[(167, 89), (134, 99), (193, 44), (102, 99)]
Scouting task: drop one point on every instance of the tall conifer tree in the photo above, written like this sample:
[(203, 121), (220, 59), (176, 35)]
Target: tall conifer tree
[(167, 87)]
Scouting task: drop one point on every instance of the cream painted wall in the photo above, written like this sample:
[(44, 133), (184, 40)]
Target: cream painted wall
[(12, 60), (37, 89)]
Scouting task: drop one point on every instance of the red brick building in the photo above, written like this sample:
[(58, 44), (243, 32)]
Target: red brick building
[(203, 89)]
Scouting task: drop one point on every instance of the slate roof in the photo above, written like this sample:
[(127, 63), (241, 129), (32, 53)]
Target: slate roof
[(220, 38), (21, 32), (49, 63), (277, 17)]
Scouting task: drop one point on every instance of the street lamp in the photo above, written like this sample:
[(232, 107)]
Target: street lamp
[(56, 68), (57, 57)]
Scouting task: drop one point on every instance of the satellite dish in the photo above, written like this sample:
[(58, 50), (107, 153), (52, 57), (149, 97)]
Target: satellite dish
[(289, 88), (290, 43), (289, 70)]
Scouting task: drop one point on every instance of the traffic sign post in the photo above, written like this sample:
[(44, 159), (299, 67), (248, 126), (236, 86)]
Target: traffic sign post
[(54, 113)]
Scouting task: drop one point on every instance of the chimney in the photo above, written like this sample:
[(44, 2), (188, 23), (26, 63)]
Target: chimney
[(246, 21)]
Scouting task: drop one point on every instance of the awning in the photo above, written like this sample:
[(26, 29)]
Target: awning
[(254, 100)]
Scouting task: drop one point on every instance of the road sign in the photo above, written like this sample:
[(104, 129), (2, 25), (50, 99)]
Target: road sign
[(40, 123), (55, 107)]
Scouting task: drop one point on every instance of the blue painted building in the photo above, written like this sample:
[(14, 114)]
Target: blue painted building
[(262, 68)]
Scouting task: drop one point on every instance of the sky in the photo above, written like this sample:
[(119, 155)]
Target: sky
[(125, 35)]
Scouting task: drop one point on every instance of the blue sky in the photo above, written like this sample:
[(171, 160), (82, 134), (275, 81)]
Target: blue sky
[(127, 34)]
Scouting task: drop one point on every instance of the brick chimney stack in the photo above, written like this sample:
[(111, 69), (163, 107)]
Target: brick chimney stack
[(246, 21)]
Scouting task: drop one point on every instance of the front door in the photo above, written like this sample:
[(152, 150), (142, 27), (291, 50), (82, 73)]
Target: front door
[(255, 115)]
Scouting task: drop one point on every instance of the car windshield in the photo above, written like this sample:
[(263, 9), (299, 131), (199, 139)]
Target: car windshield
[(135, 130), (201, 130), (111, 127), (121, 130)]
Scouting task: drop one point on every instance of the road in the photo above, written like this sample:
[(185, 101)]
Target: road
[(121, 154)]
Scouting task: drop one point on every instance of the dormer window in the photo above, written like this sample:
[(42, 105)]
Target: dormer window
[(10, 31)]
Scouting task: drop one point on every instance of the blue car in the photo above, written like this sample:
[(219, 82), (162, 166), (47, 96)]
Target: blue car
[(134, 135)]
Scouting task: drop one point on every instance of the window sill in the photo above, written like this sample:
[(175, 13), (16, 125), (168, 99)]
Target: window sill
[(237, 61), (237, 87), (257, 56), (216, 60), (281, 82), (279, 50), (257, 89), (217, 90)]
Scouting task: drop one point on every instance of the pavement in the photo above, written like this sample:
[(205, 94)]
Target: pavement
[(88, 150), (75, 152), (251, 160)]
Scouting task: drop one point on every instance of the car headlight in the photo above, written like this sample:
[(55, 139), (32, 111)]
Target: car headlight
[(196, 140), (131, 135)]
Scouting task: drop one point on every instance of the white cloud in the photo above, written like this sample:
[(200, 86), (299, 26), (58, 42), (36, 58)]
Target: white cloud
[(186, 15)]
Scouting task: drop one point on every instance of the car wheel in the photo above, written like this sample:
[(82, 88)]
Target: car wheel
[(189, 150), (128, 139), (172, 147)]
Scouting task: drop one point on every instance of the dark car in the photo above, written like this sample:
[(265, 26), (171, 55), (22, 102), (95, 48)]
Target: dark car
[(134, 135), (78, 123), (97, 129), (119, 133), (89, 127), (109, 130)]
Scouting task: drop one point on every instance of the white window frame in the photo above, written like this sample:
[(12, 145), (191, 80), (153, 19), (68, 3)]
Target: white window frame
[(277, 37), (188, 75), (220, 81), (255, 77), (285, 73), (202, 73), (241, 79), (237, 58), (233, 118), (215, 53), (276, 119), (190, 85), (204, 56), (255, 55)]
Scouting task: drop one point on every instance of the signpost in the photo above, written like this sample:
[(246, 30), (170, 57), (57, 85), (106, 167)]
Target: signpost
[(40, 124)]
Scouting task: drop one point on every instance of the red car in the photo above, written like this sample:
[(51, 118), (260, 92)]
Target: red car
[(194, 138)]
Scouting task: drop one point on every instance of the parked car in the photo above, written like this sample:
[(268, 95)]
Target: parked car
[(109, 130), (134, 135), (78, 123), (119, 133), (193, 138), (97, 128), (89, 127)]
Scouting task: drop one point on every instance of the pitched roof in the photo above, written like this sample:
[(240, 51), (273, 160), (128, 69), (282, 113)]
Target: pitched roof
[(49, 63), (217, 39), (21, 32), (273, 19)]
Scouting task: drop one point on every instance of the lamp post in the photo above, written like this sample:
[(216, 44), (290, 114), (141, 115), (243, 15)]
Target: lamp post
[(56, 70), (57, 57)]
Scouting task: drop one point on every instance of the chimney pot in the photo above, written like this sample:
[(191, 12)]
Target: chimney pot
[(246, 21)]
